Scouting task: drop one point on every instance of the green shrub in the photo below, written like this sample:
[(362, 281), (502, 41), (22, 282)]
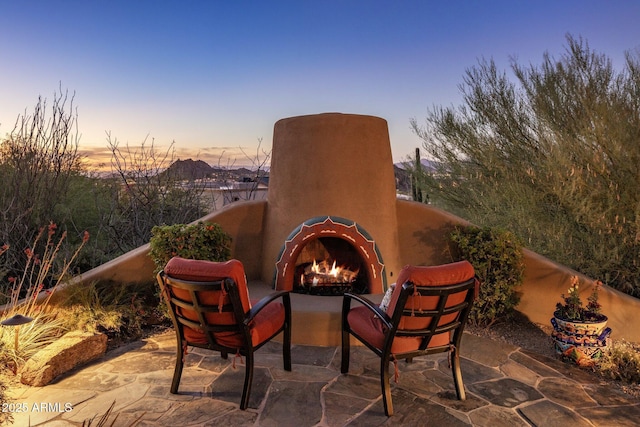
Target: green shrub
[(202, 240), (497, 259)]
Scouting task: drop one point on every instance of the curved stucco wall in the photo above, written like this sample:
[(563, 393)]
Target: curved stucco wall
[(242, 220), (546, 280), (331, 165), (423, 230)]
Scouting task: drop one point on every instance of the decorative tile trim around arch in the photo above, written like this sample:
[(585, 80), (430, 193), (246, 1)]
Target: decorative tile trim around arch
[(330, 226)]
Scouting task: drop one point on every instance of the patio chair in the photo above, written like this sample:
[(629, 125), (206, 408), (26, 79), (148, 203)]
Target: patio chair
[(427, 313), (210, 308)]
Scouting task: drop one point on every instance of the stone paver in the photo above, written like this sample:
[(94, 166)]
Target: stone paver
[(505, 386), (505, 392), (545, 413)]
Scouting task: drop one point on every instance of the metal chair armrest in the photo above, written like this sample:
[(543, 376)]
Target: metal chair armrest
[(373, 307), (286, 300)]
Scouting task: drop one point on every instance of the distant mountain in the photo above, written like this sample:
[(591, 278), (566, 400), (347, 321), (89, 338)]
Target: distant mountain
[(189, 169), (403, 179)]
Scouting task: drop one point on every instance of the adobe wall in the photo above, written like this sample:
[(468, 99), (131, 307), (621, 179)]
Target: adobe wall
[(546, 280), (423, 231), (244, 222)]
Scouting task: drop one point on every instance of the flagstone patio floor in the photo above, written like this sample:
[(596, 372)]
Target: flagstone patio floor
[(506, 386)]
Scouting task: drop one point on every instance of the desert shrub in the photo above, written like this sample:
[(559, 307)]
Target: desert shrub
[(497, 259), (621, 362), (38, 158), (551, 155), (207, 241)]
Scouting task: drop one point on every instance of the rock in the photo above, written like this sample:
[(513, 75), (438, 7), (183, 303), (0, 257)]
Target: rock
[(67, 352)]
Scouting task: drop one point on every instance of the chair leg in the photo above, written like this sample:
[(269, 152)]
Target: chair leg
[(344, 366), (248, 379), (177, 371), (386, 387), (457, 374), (286, 347)]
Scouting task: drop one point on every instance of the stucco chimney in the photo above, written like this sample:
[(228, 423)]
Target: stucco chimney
[(332, 165)]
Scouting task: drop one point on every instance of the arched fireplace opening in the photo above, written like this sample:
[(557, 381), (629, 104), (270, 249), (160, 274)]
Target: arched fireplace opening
[(325, 240), (330, 266)]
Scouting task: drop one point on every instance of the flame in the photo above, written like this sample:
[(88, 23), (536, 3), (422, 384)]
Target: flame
[(324, 269), (322, 272)]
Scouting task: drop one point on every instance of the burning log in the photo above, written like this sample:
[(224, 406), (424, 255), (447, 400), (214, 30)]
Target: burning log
[(324, 274)]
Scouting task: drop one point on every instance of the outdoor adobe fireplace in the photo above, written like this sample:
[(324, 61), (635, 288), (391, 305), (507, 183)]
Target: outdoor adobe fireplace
[(332, 195)]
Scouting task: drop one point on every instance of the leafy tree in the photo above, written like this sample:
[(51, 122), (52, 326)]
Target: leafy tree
[(83, 207), (552, 156)]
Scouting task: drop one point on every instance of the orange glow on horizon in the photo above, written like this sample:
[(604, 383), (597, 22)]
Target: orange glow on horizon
[(99, 159)]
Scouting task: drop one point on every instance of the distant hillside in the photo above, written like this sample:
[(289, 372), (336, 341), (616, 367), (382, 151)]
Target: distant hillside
[(429, 165), (188, 170), (403, 179)]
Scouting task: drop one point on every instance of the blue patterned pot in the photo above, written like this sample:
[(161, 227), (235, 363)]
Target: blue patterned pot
[(581, 341)]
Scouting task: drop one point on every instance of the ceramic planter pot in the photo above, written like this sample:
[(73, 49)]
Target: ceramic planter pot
[(581, 341)]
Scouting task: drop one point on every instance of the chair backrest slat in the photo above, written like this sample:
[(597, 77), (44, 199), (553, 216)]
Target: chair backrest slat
[(206, 308), (427, 311)]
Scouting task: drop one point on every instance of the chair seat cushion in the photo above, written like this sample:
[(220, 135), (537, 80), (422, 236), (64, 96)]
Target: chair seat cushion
[(262, 327), (370, 328)]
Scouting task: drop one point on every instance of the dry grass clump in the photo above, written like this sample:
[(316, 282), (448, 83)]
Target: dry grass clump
[(621, 362), (122, 311)]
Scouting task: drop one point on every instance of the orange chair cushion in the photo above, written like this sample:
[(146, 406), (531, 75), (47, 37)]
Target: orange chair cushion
[(208, 271), (371, 329), (440, 275)]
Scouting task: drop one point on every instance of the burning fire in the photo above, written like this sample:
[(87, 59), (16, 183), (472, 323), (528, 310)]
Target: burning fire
[(324, 274)]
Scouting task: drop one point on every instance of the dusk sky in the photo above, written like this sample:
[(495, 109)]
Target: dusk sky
[(217, 75)]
